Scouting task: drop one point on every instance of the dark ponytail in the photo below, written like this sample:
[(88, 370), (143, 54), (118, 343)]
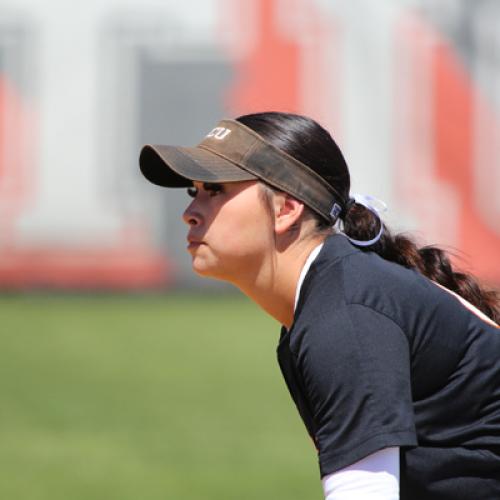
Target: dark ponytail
[(308, 142), (431, 261)]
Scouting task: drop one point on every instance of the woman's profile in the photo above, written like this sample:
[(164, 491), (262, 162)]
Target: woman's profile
[(390, 355)]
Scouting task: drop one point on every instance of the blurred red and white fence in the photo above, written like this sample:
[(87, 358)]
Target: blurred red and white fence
[(409, 91)]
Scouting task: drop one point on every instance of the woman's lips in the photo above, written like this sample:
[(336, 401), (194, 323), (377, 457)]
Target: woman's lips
[(193, 243)]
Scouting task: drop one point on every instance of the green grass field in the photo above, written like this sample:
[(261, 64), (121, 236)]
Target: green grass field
[(136, 397)]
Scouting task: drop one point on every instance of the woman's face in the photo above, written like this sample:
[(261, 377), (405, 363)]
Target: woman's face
[(230, 230)]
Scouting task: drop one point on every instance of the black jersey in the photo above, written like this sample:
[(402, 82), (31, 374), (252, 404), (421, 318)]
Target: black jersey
[(379, 356)]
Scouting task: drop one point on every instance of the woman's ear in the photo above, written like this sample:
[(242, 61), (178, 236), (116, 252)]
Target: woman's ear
[(287, 212)]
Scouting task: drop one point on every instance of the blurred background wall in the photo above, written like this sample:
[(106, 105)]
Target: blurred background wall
[(409, 88)]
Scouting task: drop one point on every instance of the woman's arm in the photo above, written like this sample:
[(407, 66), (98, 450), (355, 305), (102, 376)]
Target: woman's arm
[(375, 477)]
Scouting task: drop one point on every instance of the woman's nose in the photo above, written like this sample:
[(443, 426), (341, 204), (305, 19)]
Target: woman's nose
[(191, 217)]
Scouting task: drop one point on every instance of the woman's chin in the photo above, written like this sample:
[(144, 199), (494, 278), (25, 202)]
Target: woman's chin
[(206, 271), (202, 268), (202, 272)]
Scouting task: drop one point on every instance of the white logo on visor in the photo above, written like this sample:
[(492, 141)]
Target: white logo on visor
[(219, 133)]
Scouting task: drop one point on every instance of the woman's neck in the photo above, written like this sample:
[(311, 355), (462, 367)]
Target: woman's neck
[(273, 287)]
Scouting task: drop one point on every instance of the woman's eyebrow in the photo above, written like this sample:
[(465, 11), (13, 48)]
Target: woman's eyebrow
[(208, 186)]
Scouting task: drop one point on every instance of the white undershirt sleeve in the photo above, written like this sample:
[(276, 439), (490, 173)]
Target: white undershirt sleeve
[(375, 477)]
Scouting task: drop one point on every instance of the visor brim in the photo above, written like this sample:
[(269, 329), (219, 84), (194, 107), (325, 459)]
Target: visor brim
[(171, 166)]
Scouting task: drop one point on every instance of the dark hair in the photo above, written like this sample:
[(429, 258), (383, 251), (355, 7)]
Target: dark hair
[(308, 142)]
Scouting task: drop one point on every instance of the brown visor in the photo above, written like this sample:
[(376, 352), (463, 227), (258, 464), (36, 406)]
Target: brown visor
[(232, 152)]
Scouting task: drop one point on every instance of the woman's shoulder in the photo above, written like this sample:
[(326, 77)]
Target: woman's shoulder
[(343, 274), (343, 277)]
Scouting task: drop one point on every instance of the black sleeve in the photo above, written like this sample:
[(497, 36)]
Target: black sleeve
[(355, 369)]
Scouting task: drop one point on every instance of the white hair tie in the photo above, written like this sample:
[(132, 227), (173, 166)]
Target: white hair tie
[(375, 206)]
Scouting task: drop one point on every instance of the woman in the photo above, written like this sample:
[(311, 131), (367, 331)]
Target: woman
[(390, 355)]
